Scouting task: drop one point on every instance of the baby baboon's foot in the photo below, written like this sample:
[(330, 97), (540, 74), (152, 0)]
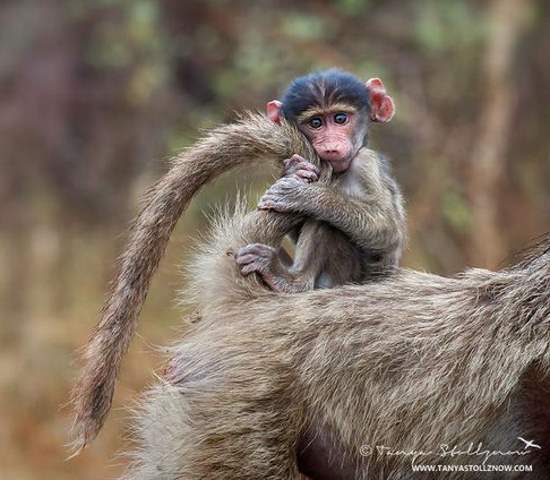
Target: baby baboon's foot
[(255, 258)]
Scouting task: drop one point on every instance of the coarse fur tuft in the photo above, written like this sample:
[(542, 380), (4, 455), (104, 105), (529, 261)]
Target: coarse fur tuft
[(213, 279)]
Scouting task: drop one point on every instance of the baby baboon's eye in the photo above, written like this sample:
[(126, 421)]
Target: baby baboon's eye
[(315, 122), (341, 118)]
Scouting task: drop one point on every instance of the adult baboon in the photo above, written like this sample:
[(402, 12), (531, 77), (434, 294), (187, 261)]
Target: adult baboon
[(268, 382)]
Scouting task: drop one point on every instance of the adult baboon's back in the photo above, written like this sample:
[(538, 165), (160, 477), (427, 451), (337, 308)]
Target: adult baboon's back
[(269, 381)]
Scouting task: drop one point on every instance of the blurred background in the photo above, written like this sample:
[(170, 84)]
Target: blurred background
[(95, 96)]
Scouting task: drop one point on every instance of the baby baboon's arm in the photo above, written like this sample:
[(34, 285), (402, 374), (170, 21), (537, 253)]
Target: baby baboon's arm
[(371, 224)]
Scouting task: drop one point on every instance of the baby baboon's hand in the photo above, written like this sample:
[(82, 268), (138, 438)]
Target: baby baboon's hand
[(255, 258), (283, 195), (298, 167)]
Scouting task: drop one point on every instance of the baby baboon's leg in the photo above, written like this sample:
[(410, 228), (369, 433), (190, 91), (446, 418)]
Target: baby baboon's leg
[(273, 267)]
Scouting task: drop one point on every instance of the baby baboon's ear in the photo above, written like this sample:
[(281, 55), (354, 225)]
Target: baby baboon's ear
[(382, 107), (273, 110)]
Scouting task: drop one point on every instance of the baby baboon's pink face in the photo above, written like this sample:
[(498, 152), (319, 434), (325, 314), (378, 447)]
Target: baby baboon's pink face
[(337, 130), (333, 135)]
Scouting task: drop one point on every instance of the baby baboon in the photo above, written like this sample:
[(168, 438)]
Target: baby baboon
[(357, 224)]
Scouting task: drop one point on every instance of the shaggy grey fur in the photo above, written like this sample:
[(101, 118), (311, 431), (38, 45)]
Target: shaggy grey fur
[(410, 362)]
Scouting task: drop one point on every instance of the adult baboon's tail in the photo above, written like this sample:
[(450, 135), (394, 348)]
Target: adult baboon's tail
[(250, 140)]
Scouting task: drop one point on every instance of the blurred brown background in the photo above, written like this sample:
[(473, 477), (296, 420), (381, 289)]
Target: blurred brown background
[(96, 95)]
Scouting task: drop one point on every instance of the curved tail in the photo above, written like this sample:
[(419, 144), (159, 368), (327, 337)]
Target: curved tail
[(253, 138)]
